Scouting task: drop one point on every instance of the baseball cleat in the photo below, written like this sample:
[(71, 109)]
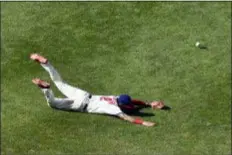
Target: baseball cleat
[(38, 58), (40, 83)]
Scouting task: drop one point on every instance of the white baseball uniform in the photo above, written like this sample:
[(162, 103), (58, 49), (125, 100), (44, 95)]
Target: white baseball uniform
[(78, 99)]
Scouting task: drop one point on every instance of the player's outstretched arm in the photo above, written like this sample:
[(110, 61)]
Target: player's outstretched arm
[(135, 120), (153, 104)]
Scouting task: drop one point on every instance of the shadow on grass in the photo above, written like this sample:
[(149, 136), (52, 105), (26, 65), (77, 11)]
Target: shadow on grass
[(137, 111), (142, 114)]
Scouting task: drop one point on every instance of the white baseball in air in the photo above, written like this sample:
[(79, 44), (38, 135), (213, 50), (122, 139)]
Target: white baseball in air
[(197, 44)]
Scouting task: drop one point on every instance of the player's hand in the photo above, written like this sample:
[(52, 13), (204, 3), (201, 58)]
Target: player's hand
[(157, 104), (149, 124)]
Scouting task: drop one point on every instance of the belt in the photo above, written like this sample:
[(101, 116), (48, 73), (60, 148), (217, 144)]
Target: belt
[(86, 105)]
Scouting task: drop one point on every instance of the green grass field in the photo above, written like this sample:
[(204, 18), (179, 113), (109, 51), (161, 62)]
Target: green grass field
[(145, 49)]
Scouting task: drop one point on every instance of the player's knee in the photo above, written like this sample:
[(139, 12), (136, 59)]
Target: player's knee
[(50, 104)]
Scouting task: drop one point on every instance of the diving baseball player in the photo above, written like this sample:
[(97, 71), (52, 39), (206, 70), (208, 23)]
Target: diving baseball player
[(83, 101)]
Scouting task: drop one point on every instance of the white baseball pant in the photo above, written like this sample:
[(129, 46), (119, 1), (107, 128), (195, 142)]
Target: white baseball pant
[(76, 97)]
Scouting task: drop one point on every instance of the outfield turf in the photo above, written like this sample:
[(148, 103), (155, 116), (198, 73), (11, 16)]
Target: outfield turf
[(146, 49)]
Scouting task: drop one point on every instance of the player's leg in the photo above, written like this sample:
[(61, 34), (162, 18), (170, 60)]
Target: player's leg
[(60, 103), (66, 89)]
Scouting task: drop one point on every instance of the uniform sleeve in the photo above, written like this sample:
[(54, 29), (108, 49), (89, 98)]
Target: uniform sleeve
[(138, 102)]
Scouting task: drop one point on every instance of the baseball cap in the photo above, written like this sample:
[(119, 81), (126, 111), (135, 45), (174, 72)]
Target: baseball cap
[(124, 99)]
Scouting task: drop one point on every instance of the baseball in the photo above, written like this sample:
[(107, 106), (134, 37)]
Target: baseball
[(197, 44)]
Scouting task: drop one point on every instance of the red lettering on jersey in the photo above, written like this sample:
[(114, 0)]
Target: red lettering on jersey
[(110, 100)]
